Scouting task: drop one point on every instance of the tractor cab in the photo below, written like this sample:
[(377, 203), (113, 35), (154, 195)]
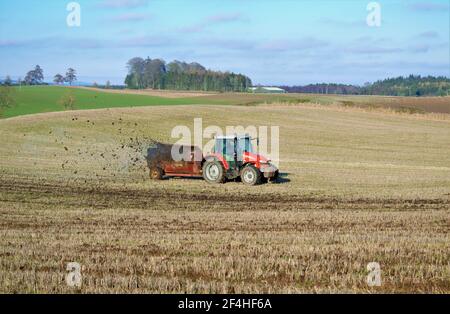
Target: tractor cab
[(234, 157), (233, 148)]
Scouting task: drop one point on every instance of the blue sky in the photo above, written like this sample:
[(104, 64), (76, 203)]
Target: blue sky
[(273, 42)]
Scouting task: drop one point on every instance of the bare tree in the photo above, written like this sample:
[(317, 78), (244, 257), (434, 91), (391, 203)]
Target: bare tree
[(68, 101), (8, 81), (7, 98)]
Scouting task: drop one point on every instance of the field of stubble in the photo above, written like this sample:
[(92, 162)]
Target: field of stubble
[(358, 187)]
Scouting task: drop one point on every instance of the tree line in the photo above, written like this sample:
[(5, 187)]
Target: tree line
[(413, 85), (324, 88), (177, 75), (36, 77)]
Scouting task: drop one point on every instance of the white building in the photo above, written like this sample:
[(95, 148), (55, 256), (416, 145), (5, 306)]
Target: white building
[(267, 89)]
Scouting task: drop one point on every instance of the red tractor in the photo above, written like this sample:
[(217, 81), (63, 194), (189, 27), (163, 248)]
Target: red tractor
[(232, 158)]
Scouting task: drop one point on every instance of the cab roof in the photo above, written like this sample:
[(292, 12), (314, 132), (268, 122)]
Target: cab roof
[(230, 137)]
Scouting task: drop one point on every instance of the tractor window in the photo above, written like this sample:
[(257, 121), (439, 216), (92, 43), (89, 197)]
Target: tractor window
[(245, 145), (224, 147), (218, 149), (229, 149)]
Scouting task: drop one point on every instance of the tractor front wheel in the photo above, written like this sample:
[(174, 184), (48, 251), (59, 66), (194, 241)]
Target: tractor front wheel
[(213, 171), (251, 175)]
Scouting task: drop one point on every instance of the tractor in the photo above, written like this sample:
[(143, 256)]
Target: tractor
[(232, 158)]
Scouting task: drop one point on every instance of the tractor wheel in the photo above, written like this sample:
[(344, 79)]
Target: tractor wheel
[(156, 173), (251, 175), (213, 171)]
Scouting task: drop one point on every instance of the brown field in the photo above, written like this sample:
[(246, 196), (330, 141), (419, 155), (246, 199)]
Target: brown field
[(358, 186), (400, 104), (152, 92)]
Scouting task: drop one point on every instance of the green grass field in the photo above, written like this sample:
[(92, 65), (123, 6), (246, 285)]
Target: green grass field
[(39, 99)]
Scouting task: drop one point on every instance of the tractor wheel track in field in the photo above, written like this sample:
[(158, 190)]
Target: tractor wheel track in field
[(49, 193)]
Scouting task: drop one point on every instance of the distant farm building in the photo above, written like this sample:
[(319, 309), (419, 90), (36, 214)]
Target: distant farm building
[(265, 89)]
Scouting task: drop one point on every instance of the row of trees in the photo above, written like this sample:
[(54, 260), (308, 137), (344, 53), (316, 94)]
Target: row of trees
[(36, 77), (413, 85), (177, 75), (324, 88)]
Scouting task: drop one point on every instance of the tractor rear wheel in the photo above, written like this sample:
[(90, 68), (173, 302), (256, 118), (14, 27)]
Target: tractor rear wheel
[(156, 173), (213, 172), (251, 175)]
